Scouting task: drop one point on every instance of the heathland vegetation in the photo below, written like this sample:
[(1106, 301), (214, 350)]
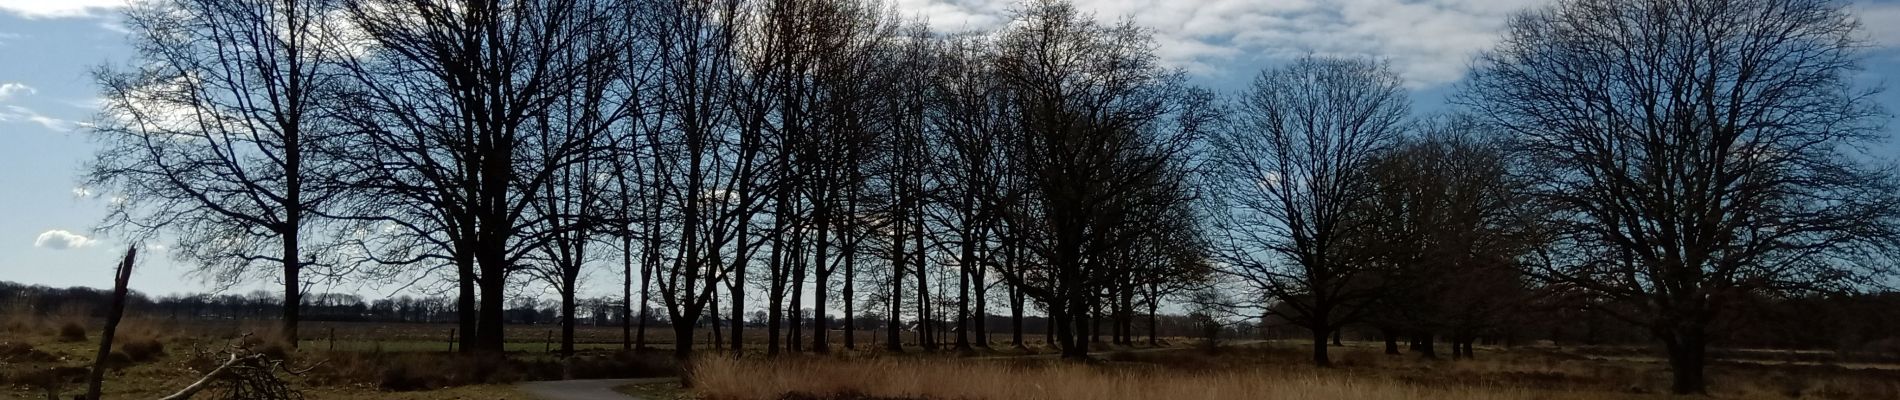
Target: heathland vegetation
[(771, 178)]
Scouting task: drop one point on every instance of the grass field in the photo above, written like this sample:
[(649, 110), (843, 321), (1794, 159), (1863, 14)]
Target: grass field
[(153, 358), (1273, 371), (407, 361)]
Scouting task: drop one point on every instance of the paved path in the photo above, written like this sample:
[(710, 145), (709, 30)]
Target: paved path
[(586, 389)]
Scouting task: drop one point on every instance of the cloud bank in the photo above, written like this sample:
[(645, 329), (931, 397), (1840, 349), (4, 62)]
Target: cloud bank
[(41, 9), (1429, 42), (61, 240)]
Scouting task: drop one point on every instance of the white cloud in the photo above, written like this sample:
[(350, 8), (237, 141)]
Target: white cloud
[(22, 114), (35, 9), (1430, 42), (1882, 23), (10, 89), (61, 240), (8, 37)]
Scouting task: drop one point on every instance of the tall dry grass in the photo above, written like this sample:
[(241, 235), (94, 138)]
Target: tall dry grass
[(727, 379)]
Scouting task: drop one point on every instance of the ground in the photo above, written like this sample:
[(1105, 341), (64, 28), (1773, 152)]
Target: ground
[(405, 361)]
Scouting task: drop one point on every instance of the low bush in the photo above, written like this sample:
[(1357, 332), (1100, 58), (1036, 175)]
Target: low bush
[(140, 348), (72, 331), (23, 353)]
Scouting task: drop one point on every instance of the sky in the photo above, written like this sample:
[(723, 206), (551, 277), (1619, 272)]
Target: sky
[(49, 47)]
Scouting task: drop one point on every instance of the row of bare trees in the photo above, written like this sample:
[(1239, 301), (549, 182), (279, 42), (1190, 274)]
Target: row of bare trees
[(795, 148), (1664, 158), (1666, 161)]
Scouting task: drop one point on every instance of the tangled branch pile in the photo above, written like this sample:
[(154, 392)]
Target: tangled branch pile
[(245, 374)]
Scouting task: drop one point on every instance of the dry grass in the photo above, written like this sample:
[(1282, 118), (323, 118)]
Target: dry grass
[(1269, 372), (725, 379), (153, 357)]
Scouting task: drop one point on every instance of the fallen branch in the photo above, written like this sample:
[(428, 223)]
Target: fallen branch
[(246, 375), (205, 382)]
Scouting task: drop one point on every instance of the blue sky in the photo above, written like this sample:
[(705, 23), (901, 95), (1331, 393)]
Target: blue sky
[(48, 48)]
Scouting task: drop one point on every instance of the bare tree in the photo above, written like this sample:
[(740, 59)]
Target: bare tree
[(1095, 146), (1446, 227), (1693, 153), (571, 208), (446, 97), (1287, 175), (969, 139), (716, 174), (216, 133)]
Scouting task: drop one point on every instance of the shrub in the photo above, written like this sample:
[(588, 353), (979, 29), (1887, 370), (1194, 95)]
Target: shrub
[(22, 352), (72, 331), (142, 348), (117, 359), (269, 344)]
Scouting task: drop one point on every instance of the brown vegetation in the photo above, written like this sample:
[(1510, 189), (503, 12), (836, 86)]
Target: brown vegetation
[(152, 358), (431, 371), (1269, 372), (72, 331)]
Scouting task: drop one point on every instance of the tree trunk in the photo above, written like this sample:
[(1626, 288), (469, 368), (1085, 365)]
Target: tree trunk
[(982, 316), (493, 285), (821, 279), (1080, 315), (740, 265), (893, 337), (795, 330), (465, 313), (1049, 326), (927, 319), (775, 310), (712, 314), (1687, 351), (1016, 318), (966, 259), (1094, 324), (1424, 346), (1320, 358), (850, 286), (567, 319), (1154, 322), (293, 285), (1391, 341), (1061, 328), (683, 338), (626, 293)]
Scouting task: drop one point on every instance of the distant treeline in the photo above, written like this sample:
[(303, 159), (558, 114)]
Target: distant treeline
[(18, 299), (1856, 324)]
